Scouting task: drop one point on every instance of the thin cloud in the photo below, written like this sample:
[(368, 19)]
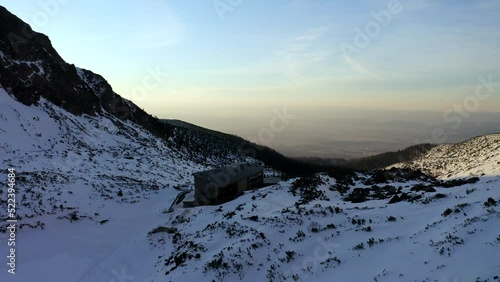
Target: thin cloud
[(359, 68), (302, 53), (312, 34)]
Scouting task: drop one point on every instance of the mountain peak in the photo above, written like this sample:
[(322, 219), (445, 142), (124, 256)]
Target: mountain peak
[(18, 40), (30, 68)]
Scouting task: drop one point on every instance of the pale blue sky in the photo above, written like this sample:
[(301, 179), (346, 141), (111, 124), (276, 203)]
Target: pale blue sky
[(258, 55)]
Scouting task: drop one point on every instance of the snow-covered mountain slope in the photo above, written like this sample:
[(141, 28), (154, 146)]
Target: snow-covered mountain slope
[(337, 226), (307, 231), (79, 168), (66, 161), (474, 157), (71, 169)]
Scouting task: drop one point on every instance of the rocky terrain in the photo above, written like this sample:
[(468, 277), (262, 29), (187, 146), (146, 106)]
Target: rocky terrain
[(474, 157)]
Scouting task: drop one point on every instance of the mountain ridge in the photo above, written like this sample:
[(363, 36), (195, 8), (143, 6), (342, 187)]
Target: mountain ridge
[(30, 68), (474, 157)]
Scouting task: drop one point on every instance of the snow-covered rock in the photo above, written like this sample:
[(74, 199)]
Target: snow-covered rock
[(475, 157)]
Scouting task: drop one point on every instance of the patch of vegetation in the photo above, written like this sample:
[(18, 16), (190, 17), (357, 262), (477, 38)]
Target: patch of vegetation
[(379, 177), (217, 262), (341, 188), (439, 196), (329, 261), (433, 198), (446, 246), (360, 221), (73, 216), (470, 191), (184, 253), (371, 242), (344, 180), (447, 212), (343, 176), (330, 226), (457, 209), (458, 182), (299, 237), (229, 215), (181, 218), (307, 188), (358, 195), (454, 240), (384, 192), (367, 229), (290, 255), (490, 203), (423, 188), (360, 246)]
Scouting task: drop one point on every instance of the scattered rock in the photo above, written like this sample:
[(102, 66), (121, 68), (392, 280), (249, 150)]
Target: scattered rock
[(162, 229)]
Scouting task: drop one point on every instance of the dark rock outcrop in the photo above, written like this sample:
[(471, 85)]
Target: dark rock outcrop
[(30, 69)]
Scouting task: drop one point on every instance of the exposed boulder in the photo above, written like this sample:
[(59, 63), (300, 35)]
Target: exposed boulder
[(162, 229)]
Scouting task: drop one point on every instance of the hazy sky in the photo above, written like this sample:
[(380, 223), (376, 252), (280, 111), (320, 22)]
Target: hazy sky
[(222, 59)]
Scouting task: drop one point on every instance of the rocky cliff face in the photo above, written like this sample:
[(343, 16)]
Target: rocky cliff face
[(30, 68)]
